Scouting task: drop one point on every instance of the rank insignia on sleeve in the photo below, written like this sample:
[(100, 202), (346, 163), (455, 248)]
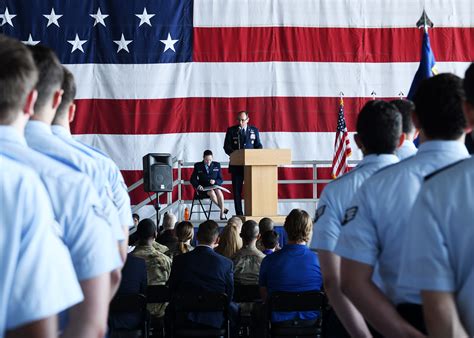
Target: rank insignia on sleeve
[(319, 213), (349, 215)]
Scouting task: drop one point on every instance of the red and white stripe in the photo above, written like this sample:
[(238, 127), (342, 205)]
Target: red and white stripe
[(285, 61)]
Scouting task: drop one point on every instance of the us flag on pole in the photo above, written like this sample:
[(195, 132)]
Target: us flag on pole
[(342, 146)]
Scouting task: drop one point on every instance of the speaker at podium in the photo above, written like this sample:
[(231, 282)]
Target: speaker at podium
[(157, 172)]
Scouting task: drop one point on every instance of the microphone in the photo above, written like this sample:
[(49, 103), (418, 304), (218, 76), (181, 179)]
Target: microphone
[(238, 135)]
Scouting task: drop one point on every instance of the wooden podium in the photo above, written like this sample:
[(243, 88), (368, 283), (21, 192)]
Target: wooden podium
[(261, 180)]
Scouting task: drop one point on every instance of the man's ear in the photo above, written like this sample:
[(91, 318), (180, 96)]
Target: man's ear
[(72, 112), (29, 107), (469, 113), (402, 139), (57, 98)]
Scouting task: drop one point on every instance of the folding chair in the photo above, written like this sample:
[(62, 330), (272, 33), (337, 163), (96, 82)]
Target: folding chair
[(296, 301), (198, 199), (157, 294), (129, 304), (183, 304), (247, 296), (244, 293)]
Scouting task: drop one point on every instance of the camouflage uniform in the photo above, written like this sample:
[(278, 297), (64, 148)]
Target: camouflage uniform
[(247, 265), (158, 267), (160, 247)]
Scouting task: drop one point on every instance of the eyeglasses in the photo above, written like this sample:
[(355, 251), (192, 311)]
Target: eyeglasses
[(242, 120)]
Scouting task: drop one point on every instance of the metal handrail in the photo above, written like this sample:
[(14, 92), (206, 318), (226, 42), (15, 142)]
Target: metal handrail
[(180, 182)]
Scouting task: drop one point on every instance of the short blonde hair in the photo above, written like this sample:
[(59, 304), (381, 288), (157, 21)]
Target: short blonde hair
[(298, 226)]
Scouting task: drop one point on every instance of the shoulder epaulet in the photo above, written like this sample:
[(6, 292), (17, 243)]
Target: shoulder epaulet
[(436, 172)]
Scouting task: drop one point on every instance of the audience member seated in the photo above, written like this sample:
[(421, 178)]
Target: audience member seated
[(293, 268), (203, 270), (133, 239), (136, 219), (265, 224), (229, 239), (134, 281), (248, 259), (158, 265), (269, 240), (167, 236), (185, 233)]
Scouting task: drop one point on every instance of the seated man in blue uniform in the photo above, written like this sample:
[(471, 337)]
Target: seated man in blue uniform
[(241, 136), (208, 173)]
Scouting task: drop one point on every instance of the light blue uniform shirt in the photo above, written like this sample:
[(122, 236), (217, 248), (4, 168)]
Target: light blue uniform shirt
[(374, 225), (438, 253), (408, 149), (40, 137), (76, 206), (337, 196), (37, 279), (120, 195)]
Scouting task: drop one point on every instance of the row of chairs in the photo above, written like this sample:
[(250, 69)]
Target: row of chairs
[(218, 302)]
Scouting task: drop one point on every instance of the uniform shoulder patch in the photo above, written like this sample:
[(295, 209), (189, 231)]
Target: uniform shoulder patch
[(319, 213), (349, 215), (436, 172)]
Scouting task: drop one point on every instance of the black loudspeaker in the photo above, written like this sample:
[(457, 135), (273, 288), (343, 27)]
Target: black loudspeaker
[(157, 172)]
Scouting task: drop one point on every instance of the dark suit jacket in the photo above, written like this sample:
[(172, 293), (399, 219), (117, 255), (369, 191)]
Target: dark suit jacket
[(167, 237), (231, 143), (201, 177), (202, 270), (134, 280)]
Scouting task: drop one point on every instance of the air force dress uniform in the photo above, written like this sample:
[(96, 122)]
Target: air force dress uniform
[(37, 279), (40, 137), (240, 138), (202, 174), (76, 207), (438, 251), (120, 195), (407, 150), (375, 224), (336, 198)]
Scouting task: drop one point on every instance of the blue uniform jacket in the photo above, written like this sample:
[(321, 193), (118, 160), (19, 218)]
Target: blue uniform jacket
[(201, 177), (250, 141)]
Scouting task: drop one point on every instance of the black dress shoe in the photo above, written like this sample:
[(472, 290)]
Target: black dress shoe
[(223, 218)]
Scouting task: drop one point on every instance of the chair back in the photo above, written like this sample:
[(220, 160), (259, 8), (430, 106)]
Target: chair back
[(201, 302), (244, 293), (157, 294), (296, 301), (128, 303)]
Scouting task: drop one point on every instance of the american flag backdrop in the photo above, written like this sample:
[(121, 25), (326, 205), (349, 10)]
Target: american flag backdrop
[(170, 75)]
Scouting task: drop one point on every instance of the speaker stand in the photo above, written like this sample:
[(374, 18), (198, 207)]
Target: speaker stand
[(157, 208)]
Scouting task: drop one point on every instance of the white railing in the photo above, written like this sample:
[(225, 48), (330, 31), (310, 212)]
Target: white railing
[(180, 182)]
